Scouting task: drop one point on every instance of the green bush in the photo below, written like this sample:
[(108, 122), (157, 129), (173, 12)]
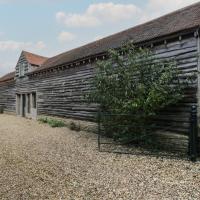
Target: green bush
[(43, 120), (56, 123), (52, 122), (135, 83)]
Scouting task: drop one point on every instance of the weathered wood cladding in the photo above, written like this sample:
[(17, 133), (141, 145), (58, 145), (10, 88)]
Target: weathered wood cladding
[(61, 92), (22, 60), (185, 52), (7, 96), (198, 69)]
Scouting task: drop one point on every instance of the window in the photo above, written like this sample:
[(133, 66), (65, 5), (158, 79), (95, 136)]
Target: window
[(21, 70), (34, 101)]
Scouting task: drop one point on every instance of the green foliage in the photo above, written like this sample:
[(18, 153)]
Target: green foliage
[(52, 122), (134, 82), (43, 120), (56, 123)]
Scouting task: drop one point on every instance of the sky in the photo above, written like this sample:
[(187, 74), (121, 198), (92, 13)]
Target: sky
[(51, 27)]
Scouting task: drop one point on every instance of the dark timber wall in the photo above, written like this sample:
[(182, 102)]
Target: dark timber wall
[(22, 61), (61, 93), (7, 96), (185, 52)]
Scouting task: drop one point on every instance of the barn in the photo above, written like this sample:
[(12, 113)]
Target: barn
[(56, 86)]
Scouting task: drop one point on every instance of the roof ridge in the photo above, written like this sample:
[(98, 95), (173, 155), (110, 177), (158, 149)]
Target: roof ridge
[(23, 51), (186, 18), (34, 59), (165, 15), (7, 76), (142, 24)]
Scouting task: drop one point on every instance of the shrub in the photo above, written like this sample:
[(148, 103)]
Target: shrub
[(133, 82), (52, 122), (43, 120), (56, 123)]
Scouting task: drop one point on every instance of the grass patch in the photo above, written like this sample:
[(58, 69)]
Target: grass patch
[(52, 122), (59, 123), (43, 120)]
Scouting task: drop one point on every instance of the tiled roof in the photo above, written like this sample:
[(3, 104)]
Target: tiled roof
[(34, 59), (8, 77), (183, 19)]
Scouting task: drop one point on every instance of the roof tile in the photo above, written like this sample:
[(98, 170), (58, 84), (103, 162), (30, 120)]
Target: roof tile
[(183, 19), (8, 77), (34, 59)]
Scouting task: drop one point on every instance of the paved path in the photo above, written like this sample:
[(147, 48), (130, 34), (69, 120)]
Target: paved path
[(39, 162)]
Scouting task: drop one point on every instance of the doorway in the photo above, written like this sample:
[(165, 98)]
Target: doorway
[(26, 105), (23, 105)]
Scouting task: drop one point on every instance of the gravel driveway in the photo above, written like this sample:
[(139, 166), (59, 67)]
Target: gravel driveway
[(39, 162)]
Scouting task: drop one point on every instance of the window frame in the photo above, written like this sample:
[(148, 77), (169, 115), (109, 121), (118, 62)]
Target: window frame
[(22, 69)]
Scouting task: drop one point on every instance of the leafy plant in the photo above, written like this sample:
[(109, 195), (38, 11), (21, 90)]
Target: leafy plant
[(43, 120), (52, 122), (132, 86), (56, 123)]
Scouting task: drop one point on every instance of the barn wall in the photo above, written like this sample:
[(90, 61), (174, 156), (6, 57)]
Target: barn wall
[(198, 69), (62, 93), (7, 96), (184, 51), (22, 60)]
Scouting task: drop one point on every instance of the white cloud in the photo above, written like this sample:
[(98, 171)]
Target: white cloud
[(111, 13), (6, 67), (66, 36), (156, 8), (170, 5), (97, 14), (77, 20), (40, 45), (11, 45)]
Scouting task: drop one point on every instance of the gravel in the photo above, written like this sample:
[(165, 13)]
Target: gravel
[(39, 162)]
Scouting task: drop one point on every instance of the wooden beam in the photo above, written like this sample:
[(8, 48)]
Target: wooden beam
[(198, 74)]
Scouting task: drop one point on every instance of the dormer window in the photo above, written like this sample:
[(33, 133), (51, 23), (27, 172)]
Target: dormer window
[(27, 63), (22, 70)]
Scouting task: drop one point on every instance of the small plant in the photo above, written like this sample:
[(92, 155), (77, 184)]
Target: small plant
[(52, 122), (43, 120), (56, 123), (75, 127)]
